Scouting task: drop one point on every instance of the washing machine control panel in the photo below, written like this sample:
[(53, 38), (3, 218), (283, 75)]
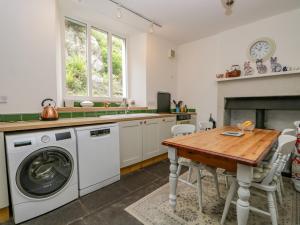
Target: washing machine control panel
[(45, 138)]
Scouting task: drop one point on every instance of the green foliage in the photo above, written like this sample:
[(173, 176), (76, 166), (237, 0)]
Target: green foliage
[(76, 77), (76, 65)]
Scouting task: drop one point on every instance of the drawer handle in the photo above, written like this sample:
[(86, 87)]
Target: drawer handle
[(164, 120), (145, 122)]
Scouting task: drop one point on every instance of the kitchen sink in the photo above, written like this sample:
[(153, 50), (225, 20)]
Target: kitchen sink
[(133, 115)]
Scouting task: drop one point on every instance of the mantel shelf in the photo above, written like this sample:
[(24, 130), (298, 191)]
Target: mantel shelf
[(259, 76)]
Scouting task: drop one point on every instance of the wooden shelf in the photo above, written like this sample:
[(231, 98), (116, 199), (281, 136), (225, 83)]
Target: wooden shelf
[(260, 75)]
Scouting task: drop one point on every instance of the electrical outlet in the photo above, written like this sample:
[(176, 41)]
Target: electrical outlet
[(3, 99)]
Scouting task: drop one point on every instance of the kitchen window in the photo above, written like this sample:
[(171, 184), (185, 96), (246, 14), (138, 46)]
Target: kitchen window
[(95, 63)]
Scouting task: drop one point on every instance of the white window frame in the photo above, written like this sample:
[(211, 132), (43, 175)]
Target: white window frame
[(89, 26)]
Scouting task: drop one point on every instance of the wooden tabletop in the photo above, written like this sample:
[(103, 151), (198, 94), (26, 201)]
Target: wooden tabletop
[(248, 149)]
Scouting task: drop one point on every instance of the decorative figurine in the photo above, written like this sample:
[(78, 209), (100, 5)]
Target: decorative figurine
[(275, 66), (248, 69), (261, 68), (284, 68)]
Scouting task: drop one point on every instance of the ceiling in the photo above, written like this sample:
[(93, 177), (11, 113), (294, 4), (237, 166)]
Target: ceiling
[(189, 20)]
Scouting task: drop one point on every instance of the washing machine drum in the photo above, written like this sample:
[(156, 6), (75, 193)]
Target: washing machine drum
[(44, 172)]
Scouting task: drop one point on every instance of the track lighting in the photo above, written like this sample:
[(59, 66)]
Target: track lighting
[(151, 29), (119, 12)]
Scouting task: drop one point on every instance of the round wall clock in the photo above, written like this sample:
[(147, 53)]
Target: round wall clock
[(262, 48)]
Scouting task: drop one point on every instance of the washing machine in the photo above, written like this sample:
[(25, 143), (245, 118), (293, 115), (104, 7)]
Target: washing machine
[(42, 171)]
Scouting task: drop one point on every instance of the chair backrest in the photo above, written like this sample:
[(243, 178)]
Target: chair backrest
[(183, 129), (297, 124), (289, 131), (205, 125), (286, 145)]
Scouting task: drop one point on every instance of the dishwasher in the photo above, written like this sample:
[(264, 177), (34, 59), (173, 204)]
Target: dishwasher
[(98, 156)]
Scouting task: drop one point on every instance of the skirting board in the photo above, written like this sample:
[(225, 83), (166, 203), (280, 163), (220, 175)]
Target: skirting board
[(140, 165)]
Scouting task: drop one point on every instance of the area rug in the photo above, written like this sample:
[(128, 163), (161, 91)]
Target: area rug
[(154, 208)]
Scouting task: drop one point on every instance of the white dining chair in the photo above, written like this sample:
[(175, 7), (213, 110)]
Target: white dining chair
[(266, 182), (205, 125), (297, 124), (186, 129)]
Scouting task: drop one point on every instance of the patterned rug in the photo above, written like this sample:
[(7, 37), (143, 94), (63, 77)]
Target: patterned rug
[(154, 209)]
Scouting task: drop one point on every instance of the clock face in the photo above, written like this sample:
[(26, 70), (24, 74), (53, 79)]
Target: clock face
[(261, 49)]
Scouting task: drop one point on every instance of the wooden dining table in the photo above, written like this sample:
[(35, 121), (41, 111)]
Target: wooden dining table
[(234, 154)]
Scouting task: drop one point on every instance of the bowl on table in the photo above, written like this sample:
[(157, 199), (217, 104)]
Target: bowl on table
[(247, 128)]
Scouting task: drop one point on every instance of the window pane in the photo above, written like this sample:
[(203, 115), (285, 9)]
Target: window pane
[(99, 63), (118, 65), (76, 59)]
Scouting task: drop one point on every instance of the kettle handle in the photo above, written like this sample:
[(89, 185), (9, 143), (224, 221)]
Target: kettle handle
[(48, 99)]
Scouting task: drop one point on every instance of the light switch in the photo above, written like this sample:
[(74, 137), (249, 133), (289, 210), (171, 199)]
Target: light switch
[(3, 99)]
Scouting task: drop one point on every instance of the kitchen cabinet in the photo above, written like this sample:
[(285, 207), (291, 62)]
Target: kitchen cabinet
[(141, 139), (165, 131), (150, 138), (131, 142)]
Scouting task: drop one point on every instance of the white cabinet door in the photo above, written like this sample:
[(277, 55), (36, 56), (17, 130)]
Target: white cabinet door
[(165, 131), (150, 138), (131, 142)]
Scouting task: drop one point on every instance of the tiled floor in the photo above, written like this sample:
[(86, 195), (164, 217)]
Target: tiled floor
[(106, 206)]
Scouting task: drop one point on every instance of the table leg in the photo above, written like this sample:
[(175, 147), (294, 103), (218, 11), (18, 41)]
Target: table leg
[(173, 178), (244, 178)]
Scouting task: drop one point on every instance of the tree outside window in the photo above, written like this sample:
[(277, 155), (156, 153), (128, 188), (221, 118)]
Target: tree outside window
[(92, 76)]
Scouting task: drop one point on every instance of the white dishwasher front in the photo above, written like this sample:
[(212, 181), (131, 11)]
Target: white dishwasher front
[(98, 156)]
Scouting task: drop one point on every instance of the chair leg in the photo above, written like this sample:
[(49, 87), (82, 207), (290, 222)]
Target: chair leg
[(276, 206), (190, 174), (279, 193), (272, 208), (231, 192), (281, 184), (226, 182), (217, 183), (199, 189), (178, 170)]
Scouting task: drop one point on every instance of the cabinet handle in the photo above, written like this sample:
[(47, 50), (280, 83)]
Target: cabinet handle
[(164, 120), (145, 122)]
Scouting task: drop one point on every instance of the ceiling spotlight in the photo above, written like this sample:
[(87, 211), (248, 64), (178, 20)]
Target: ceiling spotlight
[(119, 12), (151, 29), (228, 4)]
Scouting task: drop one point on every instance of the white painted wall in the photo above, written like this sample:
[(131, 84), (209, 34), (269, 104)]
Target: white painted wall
[(199, 61), (137, 68), (196, 69), (161, 70), (27, 56)]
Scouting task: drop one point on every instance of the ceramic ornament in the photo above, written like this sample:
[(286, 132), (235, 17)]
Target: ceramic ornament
[(275, 66), (261, 68), (248, 69)]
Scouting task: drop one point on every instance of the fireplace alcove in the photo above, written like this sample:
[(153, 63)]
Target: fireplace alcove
[(259, 109)]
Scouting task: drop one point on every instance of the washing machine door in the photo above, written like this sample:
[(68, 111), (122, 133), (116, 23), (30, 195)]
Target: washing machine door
[(44, 172)]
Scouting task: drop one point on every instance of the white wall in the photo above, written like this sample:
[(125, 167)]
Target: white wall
[(161, 70), (137, 68), (200, 61), (27, 56), (196, 68), (150, 69)]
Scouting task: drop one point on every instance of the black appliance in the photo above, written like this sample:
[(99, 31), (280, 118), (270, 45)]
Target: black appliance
[(163, 102)]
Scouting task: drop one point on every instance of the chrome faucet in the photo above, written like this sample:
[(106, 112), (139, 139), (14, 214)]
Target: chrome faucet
[(125, 105)]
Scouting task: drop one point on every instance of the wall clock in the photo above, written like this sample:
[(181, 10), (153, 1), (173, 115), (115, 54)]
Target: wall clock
[(262, 48)]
